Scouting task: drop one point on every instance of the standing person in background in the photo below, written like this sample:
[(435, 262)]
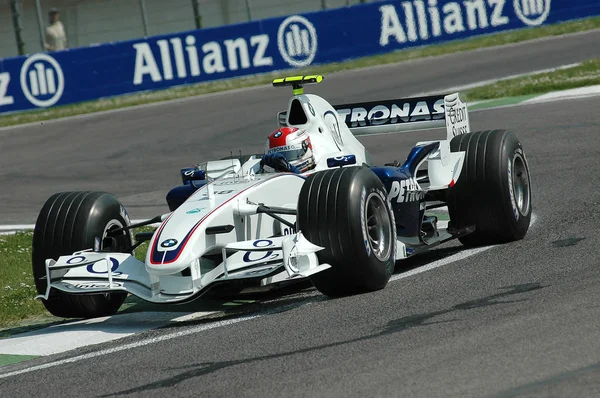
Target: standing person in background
[(56, 39)]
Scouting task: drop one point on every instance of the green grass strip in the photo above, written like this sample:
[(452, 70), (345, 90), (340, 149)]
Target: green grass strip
[(223, 85), (10, 359), (19, 312), (523, 88), (17, 289)]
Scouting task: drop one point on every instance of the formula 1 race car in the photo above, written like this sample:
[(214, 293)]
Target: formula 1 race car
[(344, 224)]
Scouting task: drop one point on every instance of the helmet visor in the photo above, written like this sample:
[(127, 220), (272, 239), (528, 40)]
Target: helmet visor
[(291, 155)]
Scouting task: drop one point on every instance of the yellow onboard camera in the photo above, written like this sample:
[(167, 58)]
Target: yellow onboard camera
[(297, 82)]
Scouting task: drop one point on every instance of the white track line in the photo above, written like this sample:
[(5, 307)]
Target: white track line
[(69, 336), (129, 346), (436, 264), (439, 263), (16, 227), (582, 92)]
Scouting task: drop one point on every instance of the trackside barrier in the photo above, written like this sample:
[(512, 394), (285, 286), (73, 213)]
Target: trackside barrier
[(82, 74)]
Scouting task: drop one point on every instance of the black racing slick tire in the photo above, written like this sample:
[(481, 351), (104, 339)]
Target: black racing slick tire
[(346, 212), (493, 191), (68, 222)]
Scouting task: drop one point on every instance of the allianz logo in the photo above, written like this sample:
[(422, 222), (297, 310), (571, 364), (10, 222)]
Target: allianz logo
[(425, 19), (42, 81), (180, 58), (297, 41)]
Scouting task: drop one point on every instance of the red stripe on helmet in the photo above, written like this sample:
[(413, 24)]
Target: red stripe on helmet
[(279, 137)]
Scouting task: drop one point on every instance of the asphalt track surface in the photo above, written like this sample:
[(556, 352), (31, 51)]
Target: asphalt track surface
[(137, 154), (521, 319)]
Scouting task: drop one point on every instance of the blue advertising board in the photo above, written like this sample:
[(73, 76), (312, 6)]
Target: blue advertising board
[(82, 74)]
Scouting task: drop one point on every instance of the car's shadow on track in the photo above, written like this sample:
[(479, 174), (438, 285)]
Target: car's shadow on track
[(423, 259), (235, 305), (402, 266), (293, 296), (505, 295), (247, 303), (299, 291)]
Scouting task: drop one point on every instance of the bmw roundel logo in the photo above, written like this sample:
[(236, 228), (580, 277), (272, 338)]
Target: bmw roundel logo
[(168, 243), (277, 134)]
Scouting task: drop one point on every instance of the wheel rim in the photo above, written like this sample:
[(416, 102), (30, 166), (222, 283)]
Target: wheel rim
[(110, 243), (379, 228), (521, 186)]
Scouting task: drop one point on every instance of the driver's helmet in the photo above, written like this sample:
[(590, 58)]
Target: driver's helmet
[(295, 145)]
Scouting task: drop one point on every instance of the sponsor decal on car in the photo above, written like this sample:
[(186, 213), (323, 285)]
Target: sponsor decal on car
[(511, 192), (99, 267), (392, 263), (124, 214), (267, 255), (76, 260), (168, 242), (195, 211), (406, 191), (93, 285), (363, 221), (284, 148), (391, 111)]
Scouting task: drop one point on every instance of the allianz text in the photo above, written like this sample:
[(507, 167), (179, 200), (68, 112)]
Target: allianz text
[(179, 61), (411, 21)]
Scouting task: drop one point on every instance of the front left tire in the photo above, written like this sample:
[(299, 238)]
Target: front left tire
[(69, 222)]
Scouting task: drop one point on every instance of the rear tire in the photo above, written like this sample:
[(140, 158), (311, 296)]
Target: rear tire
[(493, 192), (68, 222), (346, 211)]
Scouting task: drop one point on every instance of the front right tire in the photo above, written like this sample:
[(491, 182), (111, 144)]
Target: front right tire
[(346, 211)]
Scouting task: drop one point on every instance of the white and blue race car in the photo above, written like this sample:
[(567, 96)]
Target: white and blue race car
[(344, 224)]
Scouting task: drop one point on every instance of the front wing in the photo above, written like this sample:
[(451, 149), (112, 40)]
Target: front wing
[(279, 259)]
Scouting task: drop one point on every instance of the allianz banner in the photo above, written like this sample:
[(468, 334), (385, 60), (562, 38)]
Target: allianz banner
[(65, 77)]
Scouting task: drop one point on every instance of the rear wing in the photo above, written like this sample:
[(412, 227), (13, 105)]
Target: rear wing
[(400, 115)]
